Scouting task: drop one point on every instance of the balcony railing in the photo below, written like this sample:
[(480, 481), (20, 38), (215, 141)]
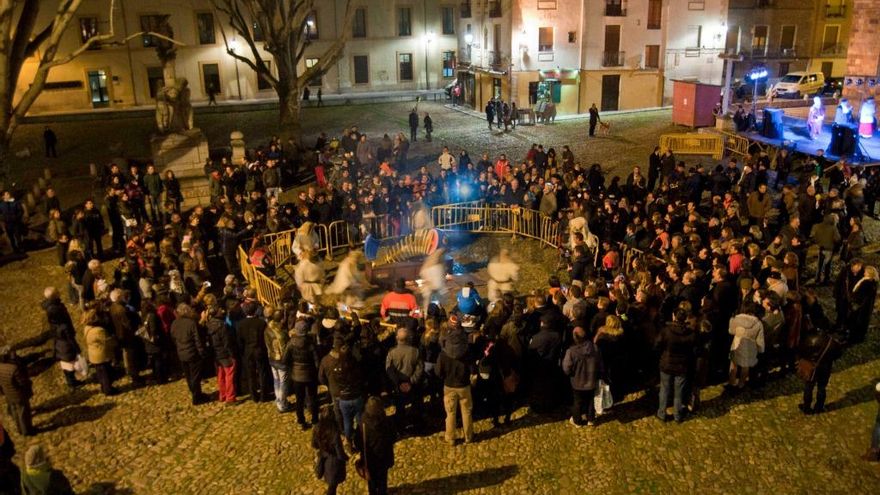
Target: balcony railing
[(614, 10), (838, 10), (835, 49), (613, 59), (495, 59), (466, 9), (494, 8)]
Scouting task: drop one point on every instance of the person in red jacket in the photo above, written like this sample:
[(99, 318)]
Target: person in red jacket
[(399, 303)]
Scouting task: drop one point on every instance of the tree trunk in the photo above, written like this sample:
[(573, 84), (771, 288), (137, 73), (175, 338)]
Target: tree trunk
[(290, 119), (5, 162)]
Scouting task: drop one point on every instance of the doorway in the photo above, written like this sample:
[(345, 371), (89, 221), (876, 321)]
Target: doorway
[(610, 92), (99, 93), (827, 69), (612, 44)]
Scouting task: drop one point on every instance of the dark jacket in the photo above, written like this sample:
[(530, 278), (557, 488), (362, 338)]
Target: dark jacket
[(15, 383), (185, 333), (221, 341), (826, 235), (251, 339), (66, 346), (676, 345), (378, 448), (301, 355), (454, 371), (346, 378), (583, 364)]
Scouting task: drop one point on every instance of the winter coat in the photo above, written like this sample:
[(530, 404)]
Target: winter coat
[(748, 339), (15, 383), (826, 235), (221, 341), (100, 343), (759, 205), (302, 357), (276, 341), (378, 448), (676, 344), (404, 365), (454, 372), (185, 333), (66, 347), (251, 339), (583, 364)]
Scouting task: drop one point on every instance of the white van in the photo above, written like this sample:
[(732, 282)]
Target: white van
[(798, 84)]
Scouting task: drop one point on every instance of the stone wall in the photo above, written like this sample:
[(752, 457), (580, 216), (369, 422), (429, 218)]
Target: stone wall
[(863, 54)]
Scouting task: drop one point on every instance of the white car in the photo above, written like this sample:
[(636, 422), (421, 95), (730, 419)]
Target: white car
[(798, 84)]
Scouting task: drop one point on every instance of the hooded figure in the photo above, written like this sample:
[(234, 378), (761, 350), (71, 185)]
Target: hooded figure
[(309, 277), (816, 118), (503, 272), (350, 280), (306, 239), (39, 476), (421, 217), (579, 224), (433, 275)]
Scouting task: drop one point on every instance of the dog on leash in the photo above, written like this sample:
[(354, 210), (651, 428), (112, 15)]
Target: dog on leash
[(604, 128)]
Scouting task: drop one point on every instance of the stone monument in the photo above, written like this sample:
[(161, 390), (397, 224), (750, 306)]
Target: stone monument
[(178, 145), (236, 142)]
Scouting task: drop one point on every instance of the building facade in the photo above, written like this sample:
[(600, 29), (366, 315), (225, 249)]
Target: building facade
[(393, 46)]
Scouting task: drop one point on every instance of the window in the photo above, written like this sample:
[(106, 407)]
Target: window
[(205, 25), (759, 40), (546, 4), (448, 14), (150, 23), (829, 39), (88, 29), (545, 39), (786, 39), (211, 78), (155, 80), (652, 56), (695, 36), (361, 69), (359, 24), (318, 79), (697, 5), (312, 26), (404, 67), (572, 37), (466, 9), (258, 32), (494, 8), (614, 8), (732, 43), (62, 85), (448, 64), (404, 21), (262, 84), (655, 13), (835, 8)]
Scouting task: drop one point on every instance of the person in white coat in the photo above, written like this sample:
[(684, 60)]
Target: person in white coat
[(309, 277), (350, 280), (503, 273), (306, 239), (748, 342), (433, 276)]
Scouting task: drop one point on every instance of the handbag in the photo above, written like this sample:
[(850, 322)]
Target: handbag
[(320, 461), (81, 367), (602, 400), (510, 382), (806, 369), (360, 464)]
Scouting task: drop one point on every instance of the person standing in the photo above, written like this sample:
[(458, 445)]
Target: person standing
[(124, 325), (61, 325), (276, 338), (307, 93), (817, 354), (413, 125), (251, 341), (320, 97), (583, 365), (454, 369), (212, 94), (594, 119), (57, 232), (224, 357), (301, 355), (15, 385), (12, 214), (376, 444), (827, 237), (330, 456), (101, 346), (50, 141), (153, 189), (861, 305), (676, 344), (94, 229), (873, 453), (405, 369), (429, 127), (190, 350), (490, 113)]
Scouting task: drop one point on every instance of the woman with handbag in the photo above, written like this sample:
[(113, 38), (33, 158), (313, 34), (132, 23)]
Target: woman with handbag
[(330, 457), (375, 441)]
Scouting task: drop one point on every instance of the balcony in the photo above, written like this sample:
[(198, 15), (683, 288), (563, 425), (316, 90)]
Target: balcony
[(465, 9), (613, 59), (832, 49), (838, 10), (614, 10), (496, 60), (494, 8)]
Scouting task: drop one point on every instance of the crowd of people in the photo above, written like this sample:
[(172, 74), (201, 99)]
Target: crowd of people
[(677, 278)]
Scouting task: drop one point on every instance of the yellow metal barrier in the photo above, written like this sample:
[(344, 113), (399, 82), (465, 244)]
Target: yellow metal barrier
[(694, 144), (734, 143), (497, 220)]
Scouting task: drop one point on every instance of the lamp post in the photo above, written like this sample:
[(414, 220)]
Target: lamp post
[(233, 46), (469, 40), (429, 37), (756, 75)]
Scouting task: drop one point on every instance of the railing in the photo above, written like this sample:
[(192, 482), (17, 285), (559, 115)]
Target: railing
[(694, 144), (268, 291), (733, 143), (497, 220), (835, 49), (613, 59), (614, 10)]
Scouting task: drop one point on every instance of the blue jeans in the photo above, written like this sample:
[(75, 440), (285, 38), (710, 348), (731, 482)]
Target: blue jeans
[(875, 438), (351, 410), (667, 381), (280, 374)]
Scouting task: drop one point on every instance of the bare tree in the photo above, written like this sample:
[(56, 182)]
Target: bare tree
[(284, 25), (20, 39)]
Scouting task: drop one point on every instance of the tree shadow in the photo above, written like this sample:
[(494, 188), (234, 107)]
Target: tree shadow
[(76, 414), (460, 482), (107, 488), (72, 398)]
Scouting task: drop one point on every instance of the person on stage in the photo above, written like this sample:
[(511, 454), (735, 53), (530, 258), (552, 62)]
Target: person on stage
[(866, 118), (844, 113), (816, 118)]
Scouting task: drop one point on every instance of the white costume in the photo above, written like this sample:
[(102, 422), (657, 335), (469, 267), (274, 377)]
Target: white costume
[(503, 272), (579, 224), (866, 118), (421, 218), (350, 280), (306, 239), (433, 276), (816, 118), (309, 278)]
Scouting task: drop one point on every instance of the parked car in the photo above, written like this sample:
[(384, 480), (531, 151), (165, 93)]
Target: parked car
[(798, 84), (833, 86)]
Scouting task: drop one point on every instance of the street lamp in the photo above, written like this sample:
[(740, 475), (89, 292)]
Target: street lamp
[(233, 47), (429, 37), (469, 40)]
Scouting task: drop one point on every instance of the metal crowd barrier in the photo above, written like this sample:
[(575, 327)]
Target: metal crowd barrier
[(733, 142), (694, 144), (499, 220)]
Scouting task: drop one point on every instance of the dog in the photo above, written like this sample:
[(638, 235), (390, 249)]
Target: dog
[(604, 128)]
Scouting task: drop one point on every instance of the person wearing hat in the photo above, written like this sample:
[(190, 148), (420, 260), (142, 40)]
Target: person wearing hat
[(39, 477), (15, 385), (301, 355)]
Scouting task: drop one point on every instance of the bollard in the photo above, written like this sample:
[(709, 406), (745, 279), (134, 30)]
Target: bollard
[(93, 170), (47, 173)]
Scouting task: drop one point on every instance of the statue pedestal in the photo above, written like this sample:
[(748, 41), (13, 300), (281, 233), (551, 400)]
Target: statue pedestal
[(185, 153)]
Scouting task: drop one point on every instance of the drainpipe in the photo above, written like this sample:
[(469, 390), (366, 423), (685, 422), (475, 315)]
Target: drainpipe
[(128, 51)]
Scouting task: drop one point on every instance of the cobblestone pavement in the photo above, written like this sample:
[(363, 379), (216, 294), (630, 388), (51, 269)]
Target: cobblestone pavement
[(150, 440)]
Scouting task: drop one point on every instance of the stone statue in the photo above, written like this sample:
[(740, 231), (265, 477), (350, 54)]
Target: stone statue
[(173, 107)]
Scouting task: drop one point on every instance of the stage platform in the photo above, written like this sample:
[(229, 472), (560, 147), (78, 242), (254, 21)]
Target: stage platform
[(797, 138)]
